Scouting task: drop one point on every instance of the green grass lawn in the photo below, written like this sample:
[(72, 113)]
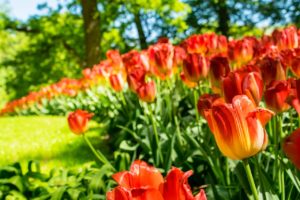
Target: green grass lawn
[(46, 139)]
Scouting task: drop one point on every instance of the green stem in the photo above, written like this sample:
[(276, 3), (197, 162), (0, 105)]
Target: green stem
[(250, 178), (156, 154), (98, 154)]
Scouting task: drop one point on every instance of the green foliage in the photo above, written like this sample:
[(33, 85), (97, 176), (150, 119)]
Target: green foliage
[(89, 183)]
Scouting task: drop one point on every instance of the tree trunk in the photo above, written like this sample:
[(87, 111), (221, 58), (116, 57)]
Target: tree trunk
[(138, 23), (91, 20), (223, 17)]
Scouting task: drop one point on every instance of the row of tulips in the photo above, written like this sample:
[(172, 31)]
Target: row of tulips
[(200, 56)]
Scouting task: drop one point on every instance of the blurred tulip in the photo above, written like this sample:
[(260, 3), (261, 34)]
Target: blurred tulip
[(176, 186), (179, 56), (187, 82), (136, 78), (238, 128), (246, 81), (115, 60), (161, 59), (294, 95), (276, 96), (291, 147), (195, 67), (241, 52), (147, 92), (196, 44), (286, 38), (78, 121), (272, 69), (295, 66), (219, 68), (206, 101), (117, 82)]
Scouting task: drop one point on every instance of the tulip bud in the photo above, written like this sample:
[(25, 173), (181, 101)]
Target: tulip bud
[(195, 67), (136, 78), (243, 81), (219, 68), (276, 96), (117, 82), (161, 59), (147, 92), (78, 121)]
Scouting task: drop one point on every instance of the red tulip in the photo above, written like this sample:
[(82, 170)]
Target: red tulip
[(115, 60), (291, 147), (195, 67), (246, 81), (196, 44), (117, 82), (295, 66), (276, 96), (219, 68), (78, 121), (161, 59), (286, 38), (136, 78), (238, 128), (176, 186), (294, 95), (144, 182), (133, 59), (147, 92), (241, 51), (206, 101), (140, 182), (272, 69)]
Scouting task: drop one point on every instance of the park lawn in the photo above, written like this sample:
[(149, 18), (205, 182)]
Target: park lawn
[(46, 139)]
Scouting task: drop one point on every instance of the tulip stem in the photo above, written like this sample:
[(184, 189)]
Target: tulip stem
[(250, 179), (98, 154), (155, 152)]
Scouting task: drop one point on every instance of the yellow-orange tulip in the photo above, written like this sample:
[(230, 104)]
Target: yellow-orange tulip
[(238, 128)]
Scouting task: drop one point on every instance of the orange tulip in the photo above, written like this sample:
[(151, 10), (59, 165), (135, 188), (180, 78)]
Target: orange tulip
[(144, 182), (147, 92), (238, 128), (196, 44), (291, 147), (276, 96), (219, 68), (161, 59), (117, 82), (286, 38), (136, 78), (176, 186), (241, 51), (246, 81), (294, 95), (195, 67), (141, 182), (272, 69), (295, 66), (78, 121)]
